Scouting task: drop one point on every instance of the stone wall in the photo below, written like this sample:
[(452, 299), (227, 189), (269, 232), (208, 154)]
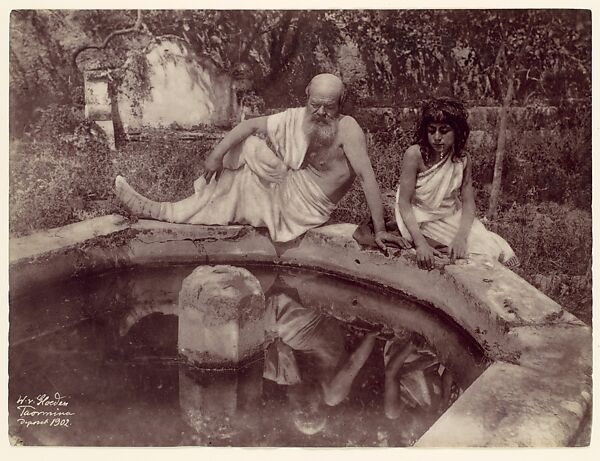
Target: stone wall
[(482, 120), (174, 88)]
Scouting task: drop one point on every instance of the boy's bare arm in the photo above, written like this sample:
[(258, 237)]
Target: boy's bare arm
[(408, 180), (458, 246), (391, 397), (468, 200)]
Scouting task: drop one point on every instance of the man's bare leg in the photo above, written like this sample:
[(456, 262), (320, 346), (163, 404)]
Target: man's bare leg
[(136, 203), (142, 207)]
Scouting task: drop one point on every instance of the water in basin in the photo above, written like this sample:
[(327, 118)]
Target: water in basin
[(96, 362)]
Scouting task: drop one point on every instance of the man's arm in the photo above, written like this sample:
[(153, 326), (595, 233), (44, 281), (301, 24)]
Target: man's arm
[(355, 148), (214, 162), (339, 387)]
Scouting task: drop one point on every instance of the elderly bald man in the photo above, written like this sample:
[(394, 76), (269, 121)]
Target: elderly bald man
[(289, 186)]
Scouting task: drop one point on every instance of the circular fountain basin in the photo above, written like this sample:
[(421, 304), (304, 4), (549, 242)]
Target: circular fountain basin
[(536, 390), (224, 355)]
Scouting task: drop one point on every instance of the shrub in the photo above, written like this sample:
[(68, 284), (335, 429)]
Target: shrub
[(161, 168), (54, 121), (547, 163), (50, 180)]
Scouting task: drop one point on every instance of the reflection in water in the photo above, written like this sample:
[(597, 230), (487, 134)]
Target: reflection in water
[(221, 408), (308, 354), (320, 382), (418, 388)]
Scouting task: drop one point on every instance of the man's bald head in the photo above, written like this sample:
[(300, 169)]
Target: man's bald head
[(326, 86), (325, 94)]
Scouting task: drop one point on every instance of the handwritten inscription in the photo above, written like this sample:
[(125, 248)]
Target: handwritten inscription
[(44, 410)]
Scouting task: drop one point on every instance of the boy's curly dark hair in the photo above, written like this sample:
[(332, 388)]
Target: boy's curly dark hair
[(443, 110)]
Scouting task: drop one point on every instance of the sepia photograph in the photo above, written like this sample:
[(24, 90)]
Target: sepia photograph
[(299, 227)]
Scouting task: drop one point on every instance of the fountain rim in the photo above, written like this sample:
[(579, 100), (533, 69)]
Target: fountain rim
[(536, 392)]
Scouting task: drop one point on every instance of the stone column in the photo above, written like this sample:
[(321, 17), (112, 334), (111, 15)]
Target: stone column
[(221, 317), (98, 105)]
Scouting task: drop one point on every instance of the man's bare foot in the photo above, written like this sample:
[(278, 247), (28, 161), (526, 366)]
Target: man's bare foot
[(137, 204), (512, 263)]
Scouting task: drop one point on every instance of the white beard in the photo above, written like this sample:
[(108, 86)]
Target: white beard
[(320, 134)]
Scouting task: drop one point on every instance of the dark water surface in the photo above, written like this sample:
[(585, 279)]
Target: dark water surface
[(95, 362)]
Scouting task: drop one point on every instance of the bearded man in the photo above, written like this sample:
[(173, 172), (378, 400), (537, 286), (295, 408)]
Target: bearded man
[(291, 186)]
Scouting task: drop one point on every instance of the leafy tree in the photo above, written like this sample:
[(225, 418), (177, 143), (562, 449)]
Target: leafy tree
[(523, 53), (498, 56), (271, 49), (271, 52)]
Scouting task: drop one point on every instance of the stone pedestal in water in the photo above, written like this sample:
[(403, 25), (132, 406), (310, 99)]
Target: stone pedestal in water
[(217, 406), (221, 311)]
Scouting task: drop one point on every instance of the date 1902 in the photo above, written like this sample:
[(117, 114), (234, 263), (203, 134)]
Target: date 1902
[(65, 422)]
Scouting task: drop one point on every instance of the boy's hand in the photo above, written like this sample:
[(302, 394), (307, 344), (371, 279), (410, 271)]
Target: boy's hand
[(425, 256), (382, 237), (458, 248)]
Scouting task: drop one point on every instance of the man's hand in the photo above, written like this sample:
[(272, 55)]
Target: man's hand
[(213, 166), (425, 256), (382, 237), (458, 248)]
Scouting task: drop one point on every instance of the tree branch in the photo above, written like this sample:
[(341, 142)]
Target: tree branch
[(138, 26), (246, 49)]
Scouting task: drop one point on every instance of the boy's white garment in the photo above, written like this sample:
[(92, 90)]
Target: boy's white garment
[(437, 209)]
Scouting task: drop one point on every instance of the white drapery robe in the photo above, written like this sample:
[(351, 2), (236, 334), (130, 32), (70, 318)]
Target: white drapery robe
[(437, 208), (259, 186)]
